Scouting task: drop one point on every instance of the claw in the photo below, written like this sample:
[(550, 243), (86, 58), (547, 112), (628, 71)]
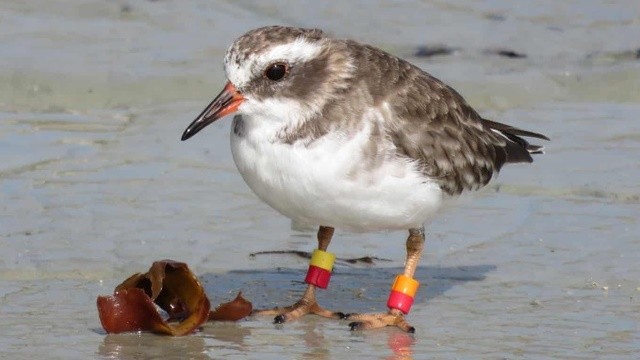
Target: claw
[(279, 319)]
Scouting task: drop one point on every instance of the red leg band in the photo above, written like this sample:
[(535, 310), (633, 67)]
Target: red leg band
[(318, 276)]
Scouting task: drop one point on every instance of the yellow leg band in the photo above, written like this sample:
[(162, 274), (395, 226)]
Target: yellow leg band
[(322, 259)]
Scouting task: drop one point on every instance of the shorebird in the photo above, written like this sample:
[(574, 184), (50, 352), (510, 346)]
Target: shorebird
[(339, 134)]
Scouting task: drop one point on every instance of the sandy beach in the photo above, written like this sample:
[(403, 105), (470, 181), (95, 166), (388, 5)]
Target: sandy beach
[(95, 183)]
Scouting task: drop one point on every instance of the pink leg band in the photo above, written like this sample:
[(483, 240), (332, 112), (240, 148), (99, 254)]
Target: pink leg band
[(402, 293), (400, 301)]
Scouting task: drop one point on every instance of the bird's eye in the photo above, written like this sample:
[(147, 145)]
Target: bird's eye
[(276, 71)]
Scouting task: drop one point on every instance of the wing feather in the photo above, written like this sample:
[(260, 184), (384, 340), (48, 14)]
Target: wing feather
[(434, 126)]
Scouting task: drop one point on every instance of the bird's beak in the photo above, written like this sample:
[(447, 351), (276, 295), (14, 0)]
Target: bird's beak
[(225, 103)]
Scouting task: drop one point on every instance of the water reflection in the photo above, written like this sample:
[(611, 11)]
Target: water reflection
[(214, 340), (148, 346), (401, 344), (228, 336)]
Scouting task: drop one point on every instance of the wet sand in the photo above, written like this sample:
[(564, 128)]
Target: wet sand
[(95, 184)]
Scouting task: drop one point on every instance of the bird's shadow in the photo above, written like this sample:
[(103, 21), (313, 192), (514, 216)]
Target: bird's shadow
[(352, 289)]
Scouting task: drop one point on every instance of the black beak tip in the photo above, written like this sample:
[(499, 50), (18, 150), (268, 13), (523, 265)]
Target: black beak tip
[(185, 135), (191, 130)]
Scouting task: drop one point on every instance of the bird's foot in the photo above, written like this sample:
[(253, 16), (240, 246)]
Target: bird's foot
[(301, 308), (379, 320)]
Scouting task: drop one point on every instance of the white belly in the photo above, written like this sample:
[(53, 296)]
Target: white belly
[(325, 184)]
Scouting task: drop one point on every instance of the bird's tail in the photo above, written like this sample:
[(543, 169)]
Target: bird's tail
[(517, 148)]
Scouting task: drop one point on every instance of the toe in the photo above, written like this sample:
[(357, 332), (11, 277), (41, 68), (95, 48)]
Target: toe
[(380, 320)]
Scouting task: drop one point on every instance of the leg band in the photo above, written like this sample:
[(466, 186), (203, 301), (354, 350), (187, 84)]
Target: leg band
[(320, 267), (402, 293)]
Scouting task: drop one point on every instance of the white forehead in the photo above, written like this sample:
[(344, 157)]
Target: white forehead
[(241, 72)]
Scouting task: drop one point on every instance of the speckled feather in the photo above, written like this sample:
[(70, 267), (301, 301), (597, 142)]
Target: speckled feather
[(428, 122), (355, 138)]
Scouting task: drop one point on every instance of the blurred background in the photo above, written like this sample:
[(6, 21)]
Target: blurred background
[(95, 184)]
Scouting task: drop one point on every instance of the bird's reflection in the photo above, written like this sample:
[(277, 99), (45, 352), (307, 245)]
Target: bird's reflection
[(401, 344)]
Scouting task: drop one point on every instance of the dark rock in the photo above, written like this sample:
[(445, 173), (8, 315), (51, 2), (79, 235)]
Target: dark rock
[(434, 50)]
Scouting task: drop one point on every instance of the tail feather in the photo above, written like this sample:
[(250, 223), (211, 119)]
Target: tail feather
[(517, 149)]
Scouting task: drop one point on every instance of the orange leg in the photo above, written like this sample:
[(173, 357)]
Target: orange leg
[(308, 303), (394, 317)]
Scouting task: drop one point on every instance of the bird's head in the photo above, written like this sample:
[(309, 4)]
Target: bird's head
[(283, 73)]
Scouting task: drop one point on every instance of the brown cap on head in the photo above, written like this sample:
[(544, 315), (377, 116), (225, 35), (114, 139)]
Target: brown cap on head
[(258, 40)]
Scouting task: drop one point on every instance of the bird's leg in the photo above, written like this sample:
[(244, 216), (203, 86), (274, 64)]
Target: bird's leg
[(402, 292), (308, 303)]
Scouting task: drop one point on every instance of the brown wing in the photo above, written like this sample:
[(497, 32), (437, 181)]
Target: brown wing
[(435, 126)]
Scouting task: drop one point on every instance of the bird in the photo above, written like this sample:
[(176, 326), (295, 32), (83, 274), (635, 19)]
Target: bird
[(338, 134)]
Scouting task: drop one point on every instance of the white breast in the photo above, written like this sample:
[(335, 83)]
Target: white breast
[(324, 183)]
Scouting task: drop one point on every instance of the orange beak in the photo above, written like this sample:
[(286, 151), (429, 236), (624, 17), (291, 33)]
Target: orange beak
[(225, 103)]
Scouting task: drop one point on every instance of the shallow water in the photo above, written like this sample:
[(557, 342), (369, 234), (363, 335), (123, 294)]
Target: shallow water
[(95, 184)]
